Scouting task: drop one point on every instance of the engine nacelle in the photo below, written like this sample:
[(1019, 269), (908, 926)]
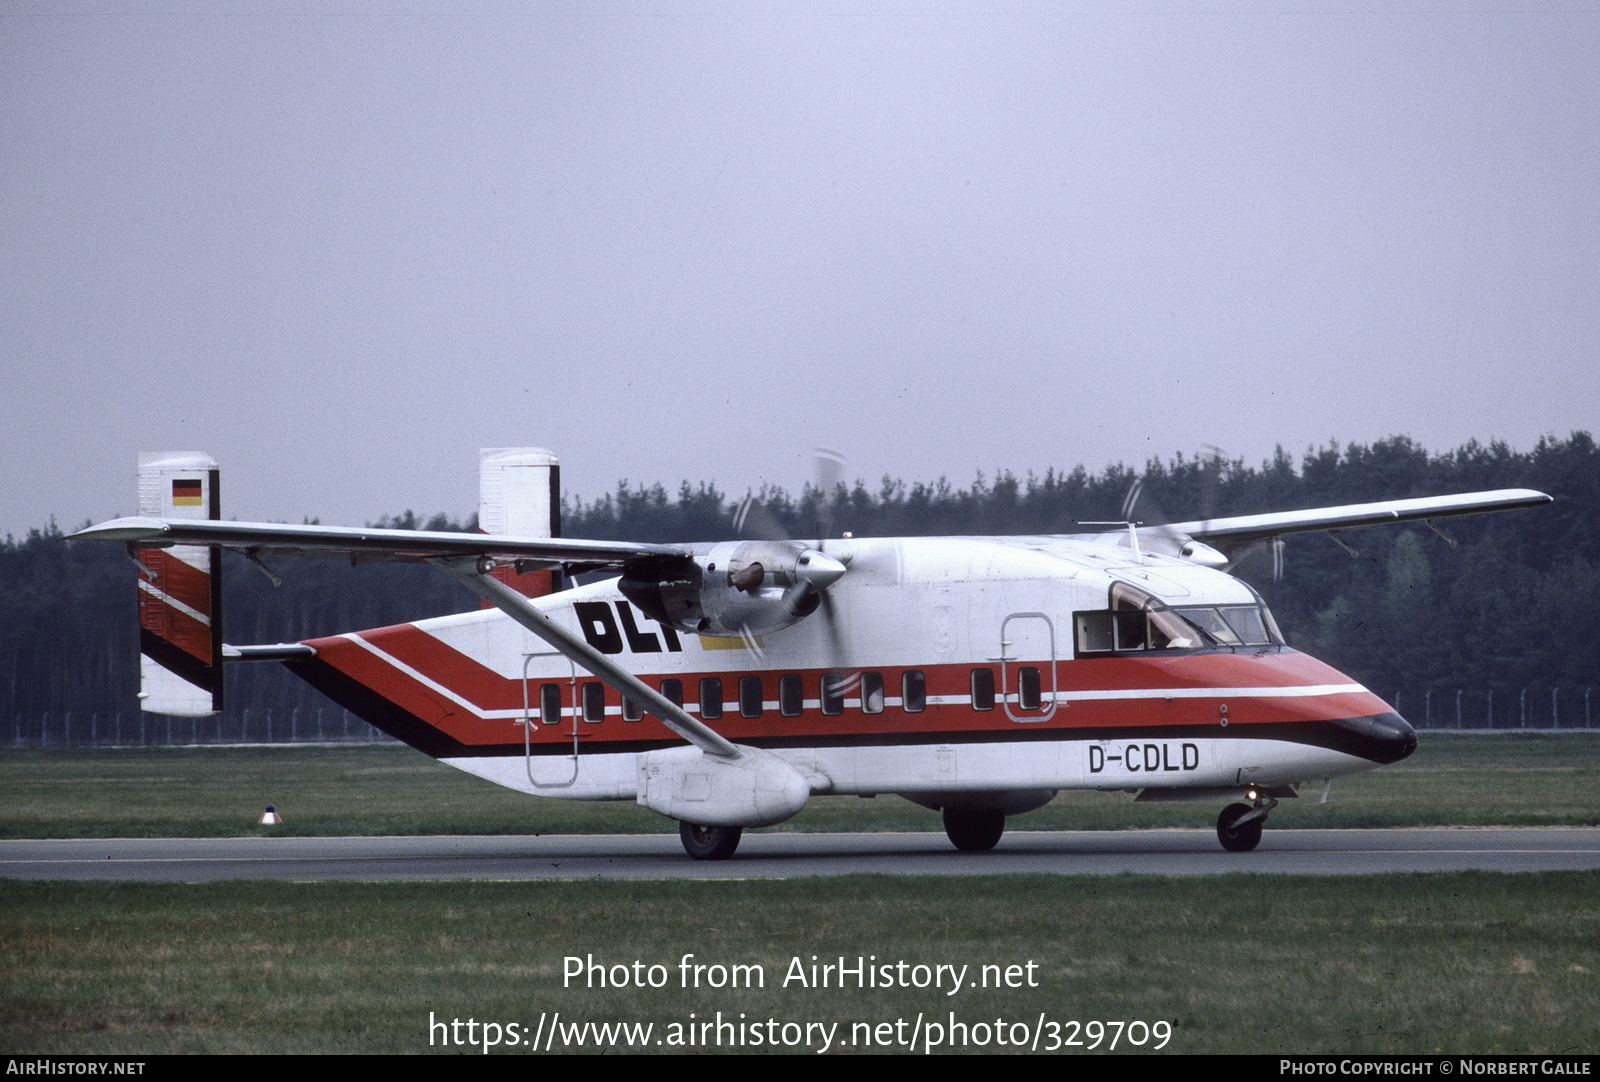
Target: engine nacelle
[(737, 587)]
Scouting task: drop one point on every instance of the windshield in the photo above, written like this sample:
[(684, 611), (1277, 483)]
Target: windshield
[(1234, 625)]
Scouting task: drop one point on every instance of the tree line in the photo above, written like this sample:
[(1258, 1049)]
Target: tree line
[(1496, 602)]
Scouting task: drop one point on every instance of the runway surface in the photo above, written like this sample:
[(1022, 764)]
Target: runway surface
[(777, 856)]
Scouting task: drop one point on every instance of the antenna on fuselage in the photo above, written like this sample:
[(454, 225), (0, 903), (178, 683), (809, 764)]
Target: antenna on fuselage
[(1129, 502)]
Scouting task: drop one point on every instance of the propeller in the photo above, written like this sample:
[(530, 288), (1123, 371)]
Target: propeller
[(753, 520), (1210, 475), (1273, 546), (827, 471), (1165, 539), (815, 570), (1131, 500), (1173, 542)]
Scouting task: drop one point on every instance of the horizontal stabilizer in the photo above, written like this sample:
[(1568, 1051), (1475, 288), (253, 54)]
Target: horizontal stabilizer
[(282, 651)]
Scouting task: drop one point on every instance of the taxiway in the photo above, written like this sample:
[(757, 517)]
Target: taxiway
[(783, 855)]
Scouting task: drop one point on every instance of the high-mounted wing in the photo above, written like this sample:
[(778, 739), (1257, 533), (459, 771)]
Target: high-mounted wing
[(267, 538), (1232, 533)]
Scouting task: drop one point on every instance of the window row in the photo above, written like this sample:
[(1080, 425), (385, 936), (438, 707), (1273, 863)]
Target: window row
[(834, 690)]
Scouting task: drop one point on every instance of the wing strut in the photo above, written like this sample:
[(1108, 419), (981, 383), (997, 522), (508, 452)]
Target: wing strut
[(472, 572)]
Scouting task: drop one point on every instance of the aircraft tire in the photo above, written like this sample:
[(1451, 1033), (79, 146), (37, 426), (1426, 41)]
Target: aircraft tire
[(1238, 838), (709, 843), (974, 830)]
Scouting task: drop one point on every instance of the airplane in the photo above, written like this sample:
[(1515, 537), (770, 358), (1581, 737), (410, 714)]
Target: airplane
[(724, 684)]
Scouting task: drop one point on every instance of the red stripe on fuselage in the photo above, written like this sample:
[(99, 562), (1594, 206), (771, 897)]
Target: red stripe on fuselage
[(411, 695), (445, 665), (1218, 670), (486, 690)]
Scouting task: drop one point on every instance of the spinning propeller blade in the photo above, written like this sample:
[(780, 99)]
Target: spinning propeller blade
[(815, 569)]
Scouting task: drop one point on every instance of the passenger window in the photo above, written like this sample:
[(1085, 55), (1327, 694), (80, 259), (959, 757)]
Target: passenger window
[(1028, 692), (983, 689), (711, 698), (913, 691), (672, 690), (750, 696), (872, 693), (791, 696), (631, 711), (832, 693), (594, 702), (550, 704)]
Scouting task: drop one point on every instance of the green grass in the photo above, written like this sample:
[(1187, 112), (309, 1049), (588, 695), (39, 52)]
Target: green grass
[(1521, 779), (1472, 962)]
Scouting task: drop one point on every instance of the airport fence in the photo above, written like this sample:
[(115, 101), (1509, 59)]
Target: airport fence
[(1497, 708), (1538, 708), (134, 728)]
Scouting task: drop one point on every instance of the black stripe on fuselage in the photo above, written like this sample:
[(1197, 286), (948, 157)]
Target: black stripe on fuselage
[(379, 712), (1378, 738)]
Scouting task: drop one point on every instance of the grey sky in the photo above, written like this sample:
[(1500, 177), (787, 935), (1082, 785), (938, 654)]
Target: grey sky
[(341, 250)]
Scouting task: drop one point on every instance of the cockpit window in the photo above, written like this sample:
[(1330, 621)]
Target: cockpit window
[(1138, 622), (1211, 621), (1234, 625)]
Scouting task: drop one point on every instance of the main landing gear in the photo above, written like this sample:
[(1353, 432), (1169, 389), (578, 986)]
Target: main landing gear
[(974, 830), (709, 843), (1239, 825)]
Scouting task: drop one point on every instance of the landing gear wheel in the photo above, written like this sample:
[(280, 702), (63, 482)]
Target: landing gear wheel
[(974, 830), (1237, 837), (709, 843)]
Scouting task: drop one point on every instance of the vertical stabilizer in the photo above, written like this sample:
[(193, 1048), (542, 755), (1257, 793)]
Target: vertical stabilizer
[(180, 590), (519, 495)]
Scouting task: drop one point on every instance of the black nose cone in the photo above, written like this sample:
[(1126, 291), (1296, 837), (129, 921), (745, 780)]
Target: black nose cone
[(1383, 738)]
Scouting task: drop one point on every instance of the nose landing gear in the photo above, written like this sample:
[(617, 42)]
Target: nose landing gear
[(1239, 825)]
